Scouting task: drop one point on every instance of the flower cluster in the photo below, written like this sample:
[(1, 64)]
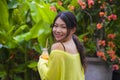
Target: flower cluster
[(109, 54), (106, 47), (104, 35)]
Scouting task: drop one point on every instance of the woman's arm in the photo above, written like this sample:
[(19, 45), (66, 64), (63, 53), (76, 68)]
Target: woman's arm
[(42, 68), (51, 67)]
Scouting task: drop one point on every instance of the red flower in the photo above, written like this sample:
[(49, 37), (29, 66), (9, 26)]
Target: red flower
[(85, 38), (111, 0), (101, 42), (111, 36), (59, 3), (111, 44), (113, 57), (104, 58), (53, 8), (100, 54), (111, 52), (82, 4), (102, 14), (112, 17), (115, 67), (90, 3), (99, 26)]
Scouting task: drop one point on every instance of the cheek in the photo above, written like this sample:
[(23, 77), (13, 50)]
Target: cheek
[(65, 31), (52, 28)]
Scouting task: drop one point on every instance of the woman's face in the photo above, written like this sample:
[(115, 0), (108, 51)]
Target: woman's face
[(59, 29)]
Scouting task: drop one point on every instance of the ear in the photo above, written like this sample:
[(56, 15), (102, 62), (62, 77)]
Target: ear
[(74, 30)]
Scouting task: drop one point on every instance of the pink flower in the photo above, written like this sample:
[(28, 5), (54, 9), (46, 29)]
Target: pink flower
[(115, 67), (90, 3), (112, 17), (99, 26), (82, 4)]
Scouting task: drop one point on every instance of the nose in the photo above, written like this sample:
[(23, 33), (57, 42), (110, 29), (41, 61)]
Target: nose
[(58, 29)]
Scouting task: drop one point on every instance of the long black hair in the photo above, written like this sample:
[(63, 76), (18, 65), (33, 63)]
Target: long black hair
[(71, 23)]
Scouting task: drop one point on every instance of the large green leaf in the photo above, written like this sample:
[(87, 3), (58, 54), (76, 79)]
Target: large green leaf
[(41, 12), (20, 30), (4, 15), (43, 38), (41, 31), (21, 37)]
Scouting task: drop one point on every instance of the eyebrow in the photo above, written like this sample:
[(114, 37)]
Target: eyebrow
[(60, 24)]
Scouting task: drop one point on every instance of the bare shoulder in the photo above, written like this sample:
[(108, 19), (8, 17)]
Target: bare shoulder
[(57, 46)]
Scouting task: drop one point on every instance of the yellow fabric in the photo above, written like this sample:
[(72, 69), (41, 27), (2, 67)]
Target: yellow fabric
[(61, 66)]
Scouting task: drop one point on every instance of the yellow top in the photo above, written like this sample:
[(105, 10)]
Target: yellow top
[(61, 66)]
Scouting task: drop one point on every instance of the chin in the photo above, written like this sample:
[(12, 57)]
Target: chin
[(58, 39)]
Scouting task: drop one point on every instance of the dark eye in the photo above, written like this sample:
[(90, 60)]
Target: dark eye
[(55, 25), (63, 26)]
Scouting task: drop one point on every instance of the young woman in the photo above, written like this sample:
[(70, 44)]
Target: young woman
[(66, 60)]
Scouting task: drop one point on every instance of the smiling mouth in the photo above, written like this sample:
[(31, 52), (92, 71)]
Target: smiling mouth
[(57, 36)]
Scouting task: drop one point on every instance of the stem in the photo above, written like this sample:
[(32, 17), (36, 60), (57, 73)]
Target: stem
[(46, 43), (26, 63), (89, 16)]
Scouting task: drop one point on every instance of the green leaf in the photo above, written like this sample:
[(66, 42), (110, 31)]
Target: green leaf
[(81, 36), (40, 30), (10, 31), (33, 65), (20, 29), (74, 3), (42, 39), (8, 42), (41, 12), (2, 74), (12, 4), (21, 37), (37, 47), (60, 7), (18, 78), (4, 15)]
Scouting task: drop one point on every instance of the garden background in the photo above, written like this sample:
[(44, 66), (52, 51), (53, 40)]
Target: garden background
[(25, 27)]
